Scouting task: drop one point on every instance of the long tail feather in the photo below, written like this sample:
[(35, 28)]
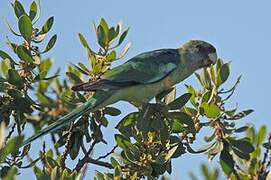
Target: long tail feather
[(97, 99)]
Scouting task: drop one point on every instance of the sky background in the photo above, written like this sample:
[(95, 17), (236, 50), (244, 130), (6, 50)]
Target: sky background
[(240, 31)]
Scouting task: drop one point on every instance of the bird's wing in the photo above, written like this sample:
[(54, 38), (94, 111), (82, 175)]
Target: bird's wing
[(144, 68)]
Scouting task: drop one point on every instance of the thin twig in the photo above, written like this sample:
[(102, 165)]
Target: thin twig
[(54, 141), (10, 133), (67, 147), (107, 154)]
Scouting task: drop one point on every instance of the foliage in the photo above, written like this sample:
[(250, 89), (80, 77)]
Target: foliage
[(149, 138)]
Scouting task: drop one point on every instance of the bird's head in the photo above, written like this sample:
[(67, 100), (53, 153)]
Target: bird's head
[(201, 51)]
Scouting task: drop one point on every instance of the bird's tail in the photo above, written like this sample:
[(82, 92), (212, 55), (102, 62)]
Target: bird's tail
[(91, 105)]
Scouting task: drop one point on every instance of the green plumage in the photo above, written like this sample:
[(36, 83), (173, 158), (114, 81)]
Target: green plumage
[(139, 79)]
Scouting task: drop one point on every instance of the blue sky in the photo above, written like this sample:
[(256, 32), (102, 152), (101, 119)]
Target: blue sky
[(240, 30)]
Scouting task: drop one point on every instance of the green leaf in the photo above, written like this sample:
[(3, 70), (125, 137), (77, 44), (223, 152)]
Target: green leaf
[(14, 78), (243, 146), (182, 121), (226, 162), (76, 143), (24, 54), (11, 174), (50, 44), (18, 8), (123, 35), (111, 56), (114, 162), (84, 67), (105, 26), (206, 96), (15, 93), (14, 144), (33, 10), (25, 27), (123, 142), (73, 78), (85, 44), (261, 135), (210, 110), (101, 36), (126, 124), (112, 111), (111, 35), (5, 66), (241, 115), (191, 90), (45, 65), (223, 74), (180, 101), (47, 26)]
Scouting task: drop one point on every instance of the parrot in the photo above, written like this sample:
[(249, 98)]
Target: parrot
[(139, 79)]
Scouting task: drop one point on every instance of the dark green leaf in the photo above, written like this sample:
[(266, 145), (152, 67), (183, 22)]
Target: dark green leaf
[(179, 102), (267, 145), (223, 74), (101, 36), (226, 162), (241, 129), (14, 78), (243, 146), (114, 162), (206, 96), (123, 35), (33, 10), (241, 115), (179, 151), (47, 26), (111, 34), (25, 27), (50, 44), (4, 55), (112, 111), (24, 54), (105, 26), (126, 124), (15, 93), (76, 142), (73, 78), (241, 154), (123, 142), (18, 8)]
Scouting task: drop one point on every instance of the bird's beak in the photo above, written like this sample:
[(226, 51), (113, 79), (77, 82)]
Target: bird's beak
[(213, 57)]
